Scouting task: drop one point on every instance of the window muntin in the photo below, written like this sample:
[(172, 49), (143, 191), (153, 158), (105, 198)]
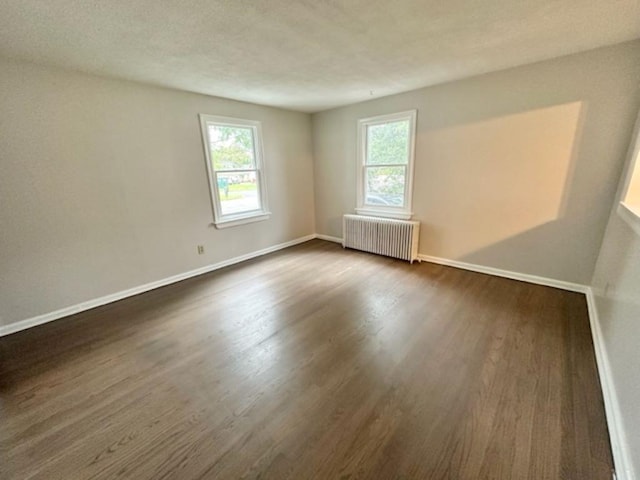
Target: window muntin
[(233, 149), (385, 170)]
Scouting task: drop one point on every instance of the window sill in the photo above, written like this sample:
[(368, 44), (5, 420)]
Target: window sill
[(372, 212), (631, 215), (242, 219)]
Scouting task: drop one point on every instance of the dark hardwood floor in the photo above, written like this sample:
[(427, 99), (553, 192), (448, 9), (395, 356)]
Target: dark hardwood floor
[(310, 363)]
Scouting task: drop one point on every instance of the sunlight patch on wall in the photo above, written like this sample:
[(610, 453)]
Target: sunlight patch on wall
[(503, 175), (631, 197)]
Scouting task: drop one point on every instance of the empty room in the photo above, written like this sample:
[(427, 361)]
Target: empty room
[(319, 240)]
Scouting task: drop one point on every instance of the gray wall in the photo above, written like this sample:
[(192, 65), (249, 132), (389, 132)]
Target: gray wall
[(103, 186), (616, 287), (514, 170)]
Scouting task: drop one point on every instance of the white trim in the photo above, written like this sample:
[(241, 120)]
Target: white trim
[(523, 277), (384, 213), (633, 163), (329, 238), (630, 215), (403, 212), (619, 446), (97, 302), (219, 219), (242, 219)]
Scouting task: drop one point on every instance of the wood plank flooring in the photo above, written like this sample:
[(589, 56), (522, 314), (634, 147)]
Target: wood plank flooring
[(311, 363)]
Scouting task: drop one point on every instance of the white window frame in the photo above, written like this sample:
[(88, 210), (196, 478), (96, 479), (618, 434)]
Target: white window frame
[(627, 209), (405, 212), (219, 219)]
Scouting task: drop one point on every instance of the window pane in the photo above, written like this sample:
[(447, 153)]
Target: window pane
[(231, 147), (385, 186), (388, 143), (238, 192)]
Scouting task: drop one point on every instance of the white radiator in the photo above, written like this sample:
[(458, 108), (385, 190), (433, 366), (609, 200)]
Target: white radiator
[(384, 236)]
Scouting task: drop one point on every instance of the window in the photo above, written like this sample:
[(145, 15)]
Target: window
[(385, 165), (629, 208), (233, 149)]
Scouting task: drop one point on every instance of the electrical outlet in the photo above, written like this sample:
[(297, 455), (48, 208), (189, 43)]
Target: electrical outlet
[(200, 249)]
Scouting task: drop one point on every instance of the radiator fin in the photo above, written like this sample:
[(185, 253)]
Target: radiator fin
[(383, 236)]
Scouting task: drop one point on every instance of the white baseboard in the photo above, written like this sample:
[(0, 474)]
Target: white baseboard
[(549, 282), (621, 459), (97, 302), (328, 238)]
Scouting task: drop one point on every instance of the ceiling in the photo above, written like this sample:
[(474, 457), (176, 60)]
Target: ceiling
[(306, 55)]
